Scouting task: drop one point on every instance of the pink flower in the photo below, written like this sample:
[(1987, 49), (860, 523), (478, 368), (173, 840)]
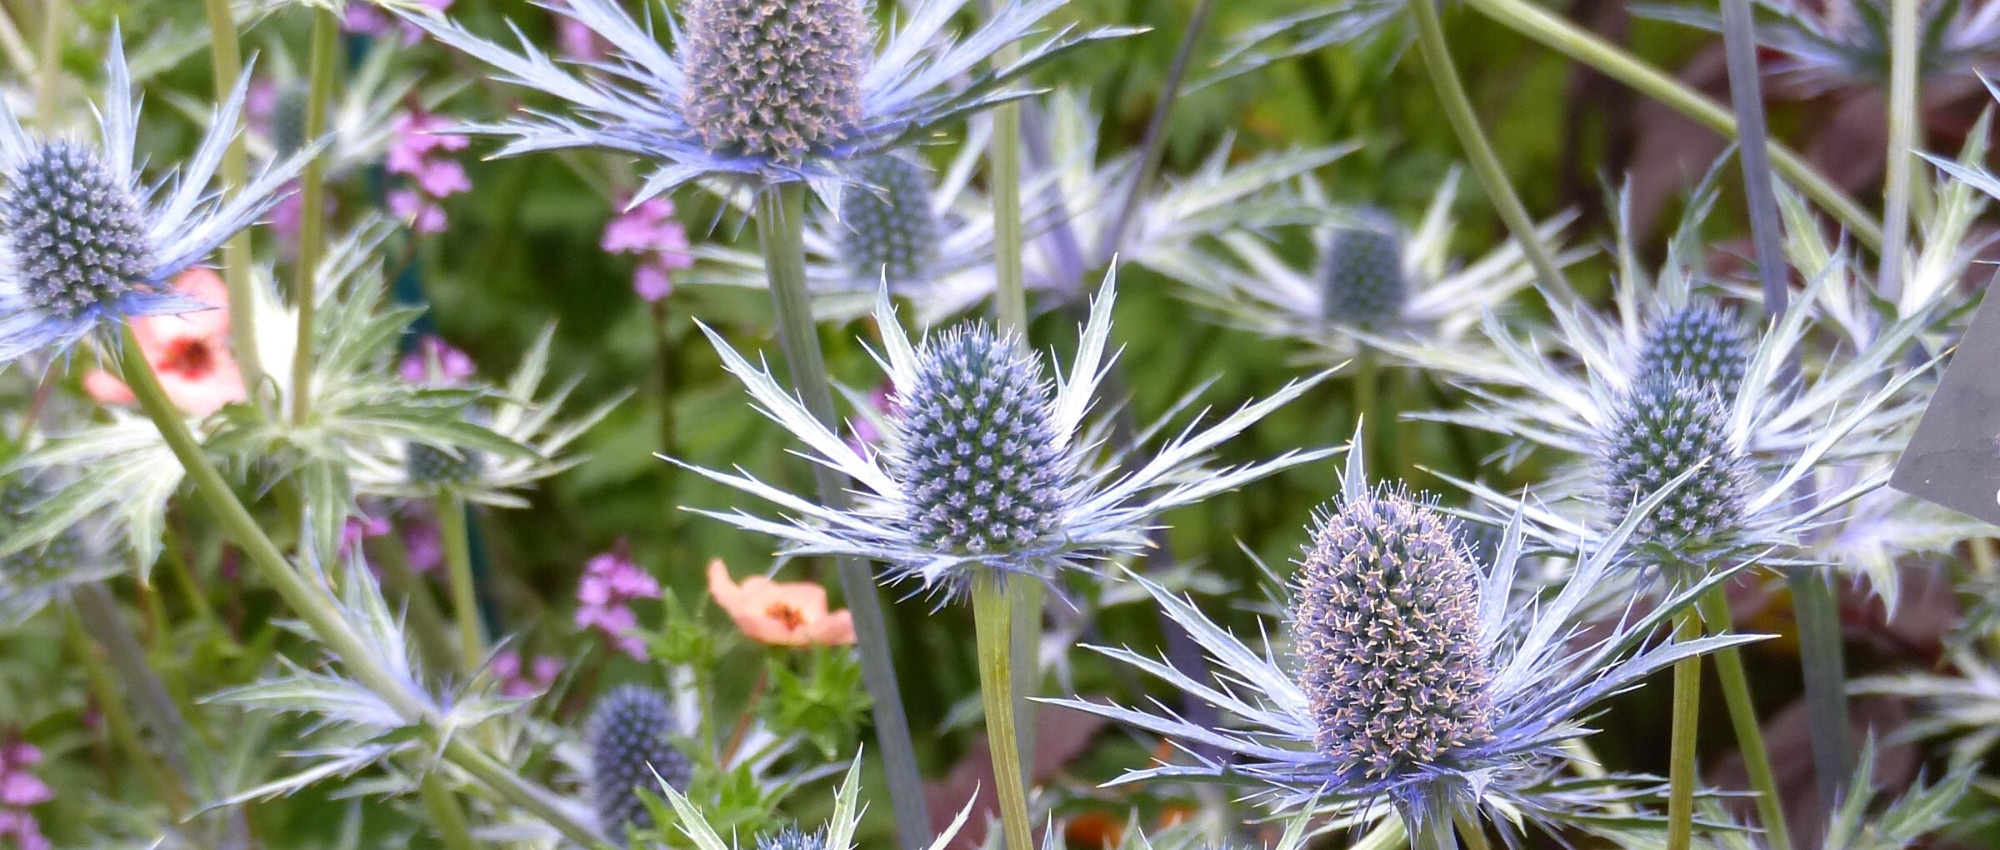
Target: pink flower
[(577, 41), (20, 789), (423, 542), (540, 676), (424, 215), (865, 433), (611, 581), (26, 832), (650, 231), (421, 152), (358, 528), (363, 19), (189, 352), (435, 362)]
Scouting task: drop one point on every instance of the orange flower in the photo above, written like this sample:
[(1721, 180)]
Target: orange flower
[(189, 352), (791, 613)]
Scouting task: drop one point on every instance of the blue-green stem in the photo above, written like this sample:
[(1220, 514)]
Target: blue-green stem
[(321, 615), (1433, 825), (445, 814), (995, 597), (312, 214), (1746, 93), (1010, 297), (1581, 45), (1681, 741), (1904, 121), (458, 571), (48, 76), (1485, 161), (118, 725), (1714, 606), (1153, 149), (225, 56), (781, 232), (1470, 830), (1822, 659)]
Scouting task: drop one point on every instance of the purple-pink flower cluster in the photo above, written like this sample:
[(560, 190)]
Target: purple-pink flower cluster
[(421, 152), (610, 582), (21, 789), (363, 19), (649, 231), (434, 362), (519, 679)]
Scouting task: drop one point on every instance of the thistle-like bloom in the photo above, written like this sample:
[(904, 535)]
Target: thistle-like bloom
[(84, 244), (985, 464), (1370, 280), (1823, 45), (630, 734), (1668, 427), (1700, 342), (34, 575), (1415, 675), (762, 91)]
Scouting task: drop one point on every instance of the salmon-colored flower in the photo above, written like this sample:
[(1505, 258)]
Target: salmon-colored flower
[(791, 613), (189, 352)]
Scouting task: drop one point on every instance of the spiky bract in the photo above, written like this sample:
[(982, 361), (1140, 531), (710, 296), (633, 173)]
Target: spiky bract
[(1701, 342), (980, 462), (1664, 429), (792, 838), (630, 748), (888, 230), (1386, 619), (1363, 277)]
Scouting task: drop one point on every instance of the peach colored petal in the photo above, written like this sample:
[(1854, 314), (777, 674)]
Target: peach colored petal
[(779, 613), (106, 388), (190, 352), (836, 629)]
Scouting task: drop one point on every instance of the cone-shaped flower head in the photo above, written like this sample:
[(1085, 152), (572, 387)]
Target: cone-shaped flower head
[(1700, 341), (982, 468), (629, 741), (792, 838), (1386, 619), (1363, 276), (429, 465), (288, 118), (986, 464), (1664, 429), (887, 227), (779, 79), (41, 563), (85, 245), (763, 91)]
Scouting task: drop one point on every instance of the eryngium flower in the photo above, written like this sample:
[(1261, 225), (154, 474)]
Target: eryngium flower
[(888, 229), (1699, 341), (1363, 277), (1817, 47), (1667, 428), (1386, 615), (430, 465), (630, 748), (84, 245), (1493, 685), (792, 838), (982, 467), (763, 90)]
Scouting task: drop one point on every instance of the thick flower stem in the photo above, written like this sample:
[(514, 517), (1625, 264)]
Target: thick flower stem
[(226, 60), (1153, 150), (317, 609), (312, 213), (1485, 162), (1714, 608), (1681, 753), (458, 571), (118, 723), (1746, 93), (1904, 121), (48, 76), (99, 615), (1586, 47), (781, 232), (1825, 668), (994, 596), (445, 813), (1010, 298)]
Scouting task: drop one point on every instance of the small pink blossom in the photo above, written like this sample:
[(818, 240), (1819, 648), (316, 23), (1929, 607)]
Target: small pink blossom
[(422, 542), (421, 152), (435, 362), (363, 19), (865, 432), (577, 41), (21, 826), (610, 582), (537, 679), (650, 231), (423, 214), (358, 528), (20, 788)]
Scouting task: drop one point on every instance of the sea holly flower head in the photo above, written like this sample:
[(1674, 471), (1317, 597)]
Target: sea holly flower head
[(985, 463), (1668, 427), (1418, 674), (764, 92), (85, 244), (630, 732), (1700, 341), (890, 228), (1815, 47)]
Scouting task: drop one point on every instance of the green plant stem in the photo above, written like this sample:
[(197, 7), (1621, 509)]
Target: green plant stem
[(1821, 658), (994, 597), (1485, 161), (423, 616), (1904, 126), (445, 813), (1153, 149), (1390, 834), (1010, 298), (781, 232), (1581, 45), (1714, 606), (312, 214), (458, 571), (1681, 751), (1470, 831), (118, 724), (317, 609), (1367, 386), (48, 73), (1026, 661), (100, 616), (226, 61)]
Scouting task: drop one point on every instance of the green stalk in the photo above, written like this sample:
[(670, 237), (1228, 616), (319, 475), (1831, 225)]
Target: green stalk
[(446, 814), (1485, 162), (994, 598), (1474, 835), (1390, 834), (98, 613), (1010, 298), (1026, 658), (458, 571), (1153, 149), (1825, 668), (1581, 45), (781, 232), (320, 613), (1714, 608), (421, 611), (312, 193), (1903, 130), (1746, 93), (118, 724), (1680, 758), (226, 59), (48, 76)]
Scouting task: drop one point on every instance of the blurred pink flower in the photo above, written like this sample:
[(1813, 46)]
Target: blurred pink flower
[(538, 678), (190, 353), (363, 19), (650, 231), (20, 789), (358, 528), (422, 541), (423, 214), (421, 152), (577, 41), (434, 362), (865, 432), (611, 581), (21, 826)]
